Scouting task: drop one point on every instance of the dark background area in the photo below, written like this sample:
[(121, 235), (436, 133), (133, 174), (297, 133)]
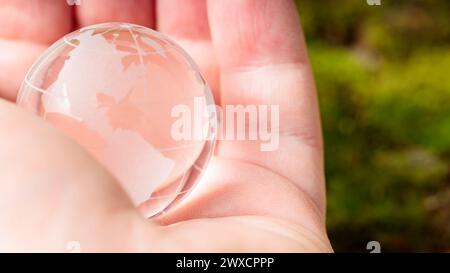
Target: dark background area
[(383, 77)]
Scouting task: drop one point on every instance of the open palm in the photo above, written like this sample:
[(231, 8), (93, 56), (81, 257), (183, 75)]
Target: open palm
[(251, 52)]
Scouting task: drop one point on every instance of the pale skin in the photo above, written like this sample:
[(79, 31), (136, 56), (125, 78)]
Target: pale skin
[(251, 52)]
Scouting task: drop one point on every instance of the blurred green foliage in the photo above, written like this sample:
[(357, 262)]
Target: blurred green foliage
[(383, 77)]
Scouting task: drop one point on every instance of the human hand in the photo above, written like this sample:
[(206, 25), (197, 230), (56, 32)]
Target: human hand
[(251, 52)]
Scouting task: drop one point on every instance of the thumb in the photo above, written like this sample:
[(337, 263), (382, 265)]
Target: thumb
[(53, 193)]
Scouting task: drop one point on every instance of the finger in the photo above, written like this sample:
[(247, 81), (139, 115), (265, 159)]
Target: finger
[(263, 61), (186, 22), (183, 19), (141, 12), (52, 192), (42, 21), (28, 27), (16, 59)]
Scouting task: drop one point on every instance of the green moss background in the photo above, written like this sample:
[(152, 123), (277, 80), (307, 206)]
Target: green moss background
[(383, 76)]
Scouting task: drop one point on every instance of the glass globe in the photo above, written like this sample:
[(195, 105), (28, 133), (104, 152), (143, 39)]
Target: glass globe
[(135, 101)]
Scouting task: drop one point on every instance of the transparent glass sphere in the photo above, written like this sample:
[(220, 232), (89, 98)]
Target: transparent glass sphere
[(135, 101)]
